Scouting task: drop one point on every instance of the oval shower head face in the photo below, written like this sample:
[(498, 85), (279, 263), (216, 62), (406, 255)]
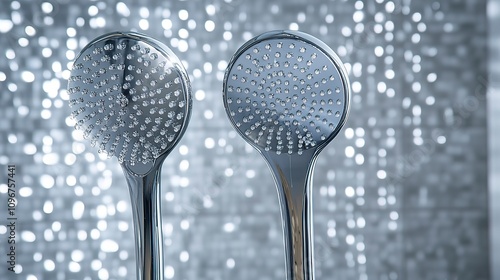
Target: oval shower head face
[(130, 96), (286, 92)]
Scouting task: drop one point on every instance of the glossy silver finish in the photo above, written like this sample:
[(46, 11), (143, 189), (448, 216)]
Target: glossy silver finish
[(131, 97), (287, 94)]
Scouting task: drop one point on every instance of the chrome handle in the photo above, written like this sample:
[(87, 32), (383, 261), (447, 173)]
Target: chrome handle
[(146, 211), (293, 178)]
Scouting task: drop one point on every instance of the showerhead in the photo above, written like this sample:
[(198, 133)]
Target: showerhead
[(130, 96), (286, 92)]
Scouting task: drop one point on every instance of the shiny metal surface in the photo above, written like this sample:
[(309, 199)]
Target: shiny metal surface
[(287, 94), (130, 96)]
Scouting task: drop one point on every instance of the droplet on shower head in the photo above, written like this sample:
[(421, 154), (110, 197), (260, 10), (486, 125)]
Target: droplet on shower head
[(286, 92), (130, 95)]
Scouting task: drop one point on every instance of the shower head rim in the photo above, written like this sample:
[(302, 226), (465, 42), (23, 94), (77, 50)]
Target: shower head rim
[(185, 84), (160, 47), (309, 39)]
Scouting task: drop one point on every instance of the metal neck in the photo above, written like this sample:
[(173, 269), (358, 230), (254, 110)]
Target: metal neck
[(146, 210), (293, 177)]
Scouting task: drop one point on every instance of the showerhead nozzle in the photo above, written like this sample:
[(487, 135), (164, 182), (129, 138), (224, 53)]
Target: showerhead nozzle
[(130, 96), (286, 92)]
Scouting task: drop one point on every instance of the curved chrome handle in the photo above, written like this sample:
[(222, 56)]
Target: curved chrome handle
[(145, 195), (293, 177)]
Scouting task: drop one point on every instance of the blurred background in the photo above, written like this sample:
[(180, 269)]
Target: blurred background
[(405, 191)]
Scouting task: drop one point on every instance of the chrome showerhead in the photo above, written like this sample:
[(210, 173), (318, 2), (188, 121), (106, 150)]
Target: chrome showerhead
[(131, 97), (287, 94)]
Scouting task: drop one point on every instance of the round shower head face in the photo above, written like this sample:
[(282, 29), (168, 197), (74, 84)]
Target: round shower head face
[(286, 92), (130, 95)]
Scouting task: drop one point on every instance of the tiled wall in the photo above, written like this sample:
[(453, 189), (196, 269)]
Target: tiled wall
[(401, 193), (494, 138)]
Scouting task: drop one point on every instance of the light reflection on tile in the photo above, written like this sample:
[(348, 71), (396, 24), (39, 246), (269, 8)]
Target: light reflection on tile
[(411, 162)]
